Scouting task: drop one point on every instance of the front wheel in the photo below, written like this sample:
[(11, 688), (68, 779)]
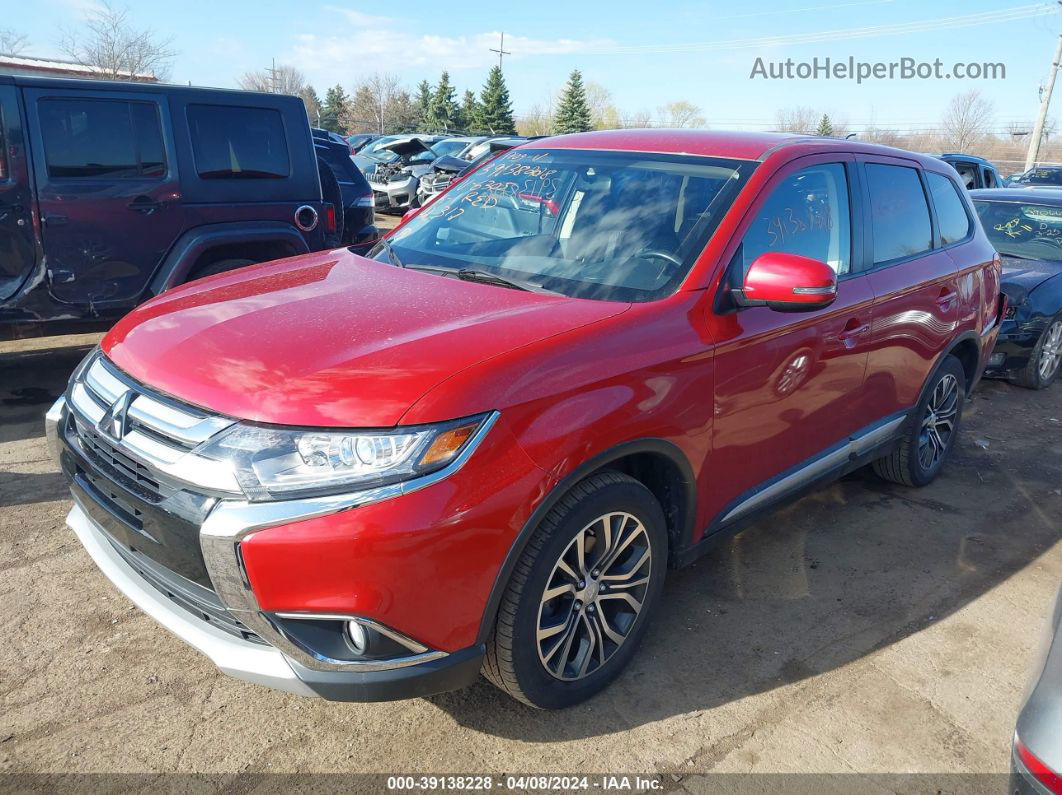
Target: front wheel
[(581, 595), (933, 427), (1044, 363)]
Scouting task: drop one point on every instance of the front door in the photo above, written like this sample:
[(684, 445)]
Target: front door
[(108, 191), (17, 249), (791, 385)]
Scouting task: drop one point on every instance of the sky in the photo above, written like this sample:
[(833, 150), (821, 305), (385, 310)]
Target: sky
[(644, 53)]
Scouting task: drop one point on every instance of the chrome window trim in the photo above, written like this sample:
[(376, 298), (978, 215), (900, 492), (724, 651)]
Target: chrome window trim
[(230, 521)]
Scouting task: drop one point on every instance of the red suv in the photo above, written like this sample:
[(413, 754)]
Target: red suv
[(480, 448)]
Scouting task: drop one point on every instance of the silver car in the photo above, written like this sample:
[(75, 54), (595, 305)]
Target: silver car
[(1036, 759), (396, 175)]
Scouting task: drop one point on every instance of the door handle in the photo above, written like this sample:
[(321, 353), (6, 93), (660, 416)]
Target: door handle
[(7, 209), (145, 205), (945, 298), (853, 330)]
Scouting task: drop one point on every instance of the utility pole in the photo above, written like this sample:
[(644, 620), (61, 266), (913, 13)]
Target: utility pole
[(1045, 103), (273, 76), (502, 52)]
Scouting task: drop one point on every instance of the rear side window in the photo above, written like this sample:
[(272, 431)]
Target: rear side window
[(238, 143), (990, 178), (806, 214), (952, 219), (100, 138), (898, 212)]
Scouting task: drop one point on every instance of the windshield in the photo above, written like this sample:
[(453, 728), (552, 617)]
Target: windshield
[(444, 148), (1040, 176), (1033, 231), (611, 226)]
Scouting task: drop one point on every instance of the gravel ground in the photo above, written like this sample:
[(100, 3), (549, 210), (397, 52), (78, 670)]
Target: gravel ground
[(866, 629)]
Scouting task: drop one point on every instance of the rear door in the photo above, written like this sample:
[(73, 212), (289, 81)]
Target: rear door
[(17, 248), (915, 284), (108, 190)]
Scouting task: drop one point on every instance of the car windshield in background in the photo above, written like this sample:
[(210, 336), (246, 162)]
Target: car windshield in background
[(1032, 231), (1040, 176), (612, 226), (444, 148)]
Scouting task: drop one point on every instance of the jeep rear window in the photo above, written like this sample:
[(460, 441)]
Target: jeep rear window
[(3, 147), (101, 138), (238, 143)]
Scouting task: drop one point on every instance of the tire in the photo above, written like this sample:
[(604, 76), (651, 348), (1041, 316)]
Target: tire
[(1046, 360), (516, 662), (912, 463), (216, 267)]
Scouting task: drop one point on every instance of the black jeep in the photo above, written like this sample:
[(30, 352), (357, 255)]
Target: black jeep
[(113, 192)]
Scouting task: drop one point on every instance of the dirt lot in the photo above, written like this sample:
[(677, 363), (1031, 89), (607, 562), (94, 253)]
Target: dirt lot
[(866, 629)]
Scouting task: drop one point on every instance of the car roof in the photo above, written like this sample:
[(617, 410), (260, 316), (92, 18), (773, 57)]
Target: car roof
[(718, 143), (964, 156), (1039, 194)]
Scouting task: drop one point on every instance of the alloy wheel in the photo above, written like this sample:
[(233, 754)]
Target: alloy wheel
[(1050, 351), (593, 596), (938, 424)]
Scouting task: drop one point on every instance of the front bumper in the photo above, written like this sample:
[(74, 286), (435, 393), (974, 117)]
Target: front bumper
[(260, 650), (1013, 349)]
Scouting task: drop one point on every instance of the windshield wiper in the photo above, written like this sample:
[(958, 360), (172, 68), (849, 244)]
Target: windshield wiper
[(391, 255), (483, 277)]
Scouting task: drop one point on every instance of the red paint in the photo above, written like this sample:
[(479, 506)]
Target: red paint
[(331, 339), (1037, 769), (777, 278)]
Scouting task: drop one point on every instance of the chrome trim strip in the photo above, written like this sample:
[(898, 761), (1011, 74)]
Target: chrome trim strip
[(853, 447), (104, 383), (386, 631), (174, 423), (230, 521), (251, 662), (88, 408), (53, 420)]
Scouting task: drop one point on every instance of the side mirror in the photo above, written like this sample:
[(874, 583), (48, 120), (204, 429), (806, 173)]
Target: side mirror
[(788, 283)]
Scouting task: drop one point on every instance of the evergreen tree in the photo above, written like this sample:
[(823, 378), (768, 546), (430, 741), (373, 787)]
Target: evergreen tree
[(495, 108), (312, 103), (469, 111), (334, 110), (825, 126), (422, 104), (444, 112), (573, 111)]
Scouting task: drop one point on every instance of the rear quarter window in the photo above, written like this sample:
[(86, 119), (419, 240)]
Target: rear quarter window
[(952, 219), (899, 213), (238, 143)]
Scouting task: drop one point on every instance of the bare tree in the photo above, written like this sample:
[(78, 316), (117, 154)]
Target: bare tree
[(380, 105), (12, 42), (537, 120), (680, 114), (115, 49), (638, 120), (800, 119), (966, 120), (282, 79)]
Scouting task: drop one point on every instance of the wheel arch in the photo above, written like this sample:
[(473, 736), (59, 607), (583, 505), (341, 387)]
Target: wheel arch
[(191, 248), (657, 464), (967, 349)]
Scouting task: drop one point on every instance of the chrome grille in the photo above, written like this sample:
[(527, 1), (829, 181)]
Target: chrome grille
[(145, 438)]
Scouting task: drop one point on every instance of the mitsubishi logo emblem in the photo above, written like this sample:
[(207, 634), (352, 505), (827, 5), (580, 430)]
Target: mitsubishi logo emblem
[(115, 422)]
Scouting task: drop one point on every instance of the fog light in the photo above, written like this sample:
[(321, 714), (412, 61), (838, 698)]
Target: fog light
[(357, 636), (997, 359)]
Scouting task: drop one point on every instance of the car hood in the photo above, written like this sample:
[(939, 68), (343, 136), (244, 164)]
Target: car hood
[(1022, 276), (329, 339), (408, 148)]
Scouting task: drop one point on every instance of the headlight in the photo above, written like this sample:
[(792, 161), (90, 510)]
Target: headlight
[(281, 463)]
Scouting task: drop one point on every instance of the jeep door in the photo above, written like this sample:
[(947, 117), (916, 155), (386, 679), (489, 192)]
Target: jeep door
[(18, 250), (108, 190), (790, 385), (915, 284)]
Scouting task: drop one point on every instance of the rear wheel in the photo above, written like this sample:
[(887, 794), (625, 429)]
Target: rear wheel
[(582, 594), (1043, 366), (919, 457)]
